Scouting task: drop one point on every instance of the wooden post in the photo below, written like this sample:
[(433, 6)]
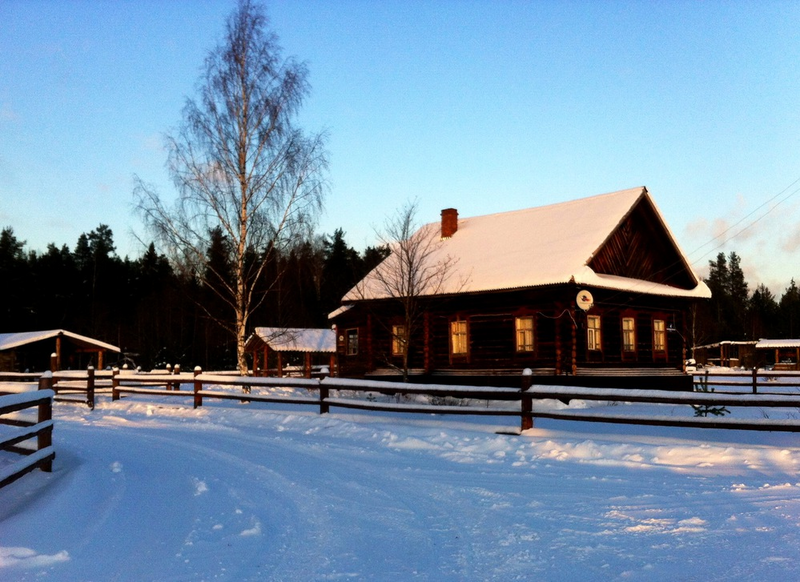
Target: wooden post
[(114, 384), (574, 366), (427, 355), (308, 365), (58, 353), (90, 387), (755, 380), (46, 381), (370, 365), (559, 353), (526, 401), (198, 386), (45, 438), (324, 408), (53, 362), (176, 370), (280, 365)]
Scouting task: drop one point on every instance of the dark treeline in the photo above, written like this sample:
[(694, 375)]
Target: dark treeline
[(159, 317), (734, 313), (155, 315)]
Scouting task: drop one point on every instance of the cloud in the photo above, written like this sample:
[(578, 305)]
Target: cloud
[(28, 558), (791, 242)]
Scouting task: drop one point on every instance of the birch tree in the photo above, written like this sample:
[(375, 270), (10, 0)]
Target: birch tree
[(240, 165)]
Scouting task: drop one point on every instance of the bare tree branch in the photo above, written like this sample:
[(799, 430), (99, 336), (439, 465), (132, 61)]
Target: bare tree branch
[(239, 164), (416, 268)]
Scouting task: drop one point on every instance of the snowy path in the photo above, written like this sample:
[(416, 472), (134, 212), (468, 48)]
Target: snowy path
[(147, 493)]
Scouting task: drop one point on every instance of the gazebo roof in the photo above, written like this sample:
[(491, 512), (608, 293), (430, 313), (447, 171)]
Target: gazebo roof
[(13, 340), (293, 339), (768, 344)]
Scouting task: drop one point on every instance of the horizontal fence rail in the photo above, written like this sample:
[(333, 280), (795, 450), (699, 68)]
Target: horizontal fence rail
[(18, 431), (757, 380), (331, 392), (327, 392)]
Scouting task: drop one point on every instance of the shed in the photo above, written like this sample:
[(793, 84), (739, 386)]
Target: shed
[(312, 344), (786, 352), (32, 350)]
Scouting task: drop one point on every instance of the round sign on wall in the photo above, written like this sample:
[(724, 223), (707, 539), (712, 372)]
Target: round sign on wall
[(585, 300)]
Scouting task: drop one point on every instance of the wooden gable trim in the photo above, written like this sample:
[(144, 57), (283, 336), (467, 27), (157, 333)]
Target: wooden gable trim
[(641, 248)]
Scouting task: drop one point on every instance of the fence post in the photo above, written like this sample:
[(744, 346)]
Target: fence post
[(53, 362), (90, 387), (46, 381), (114, 384), (45, 438), (755, 380), (324, 407), (176, 369), (526, 401), (198, 386)]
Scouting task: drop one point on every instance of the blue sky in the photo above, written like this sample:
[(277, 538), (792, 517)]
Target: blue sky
[(478, 105)]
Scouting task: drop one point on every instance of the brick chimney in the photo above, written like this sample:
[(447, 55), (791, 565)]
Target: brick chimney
[(449, 222)]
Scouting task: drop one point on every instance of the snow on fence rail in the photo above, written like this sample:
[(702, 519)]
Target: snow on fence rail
[(330, 392), (755, 379), (16, 431)]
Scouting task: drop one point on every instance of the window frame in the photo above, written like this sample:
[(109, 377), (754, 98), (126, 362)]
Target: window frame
[(521, 345), (594, 334), (463, 334), (399, 339), (629, 347), (659, 333), (350, 346)]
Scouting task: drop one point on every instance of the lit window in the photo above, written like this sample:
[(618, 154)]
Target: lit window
[(628, 334), (659, 335), (399, 340), (458, 337), (524, 327), (352, 342), (593, 339)]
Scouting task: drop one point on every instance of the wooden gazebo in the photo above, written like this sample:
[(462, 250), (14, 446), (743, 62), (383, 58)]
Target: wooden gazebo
[(313, 344), (33, 349)]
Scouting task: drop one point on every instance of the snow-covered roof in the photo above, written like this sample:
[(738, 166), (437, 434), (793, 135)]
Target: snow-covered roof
[(339, 311), (13, 340), (766, 344), (546, 245), (282, 339)]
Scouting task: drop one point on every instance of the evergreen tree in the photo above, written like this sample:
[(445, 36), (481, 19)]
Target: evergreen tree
[(737, 295), (762, 313), (790, 312), (13, 278), (341, 269)]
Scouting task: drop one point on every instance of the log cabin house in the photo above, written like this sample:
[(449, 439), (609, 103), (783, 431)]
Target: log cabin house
[(591, 292)]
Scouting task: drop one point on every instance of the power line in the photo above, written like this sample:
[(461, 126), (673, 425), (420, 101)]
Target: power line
[(747, 226)]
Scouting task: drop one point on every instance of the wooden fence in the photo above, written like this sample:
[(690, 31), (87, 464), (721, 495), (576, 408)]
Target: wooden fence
[(327, 392), (16, 431), (757, 380)]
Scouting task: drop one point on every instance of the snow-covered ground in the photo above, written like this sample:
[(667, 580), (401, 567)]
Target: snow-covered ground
[(146, 489)]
